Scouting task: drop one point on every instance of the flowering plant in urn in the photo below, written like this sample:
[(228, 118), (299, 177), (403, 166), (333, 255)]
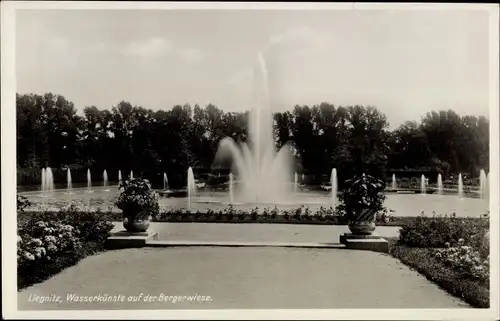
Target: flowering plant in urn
[(361, 201), (139, 204)]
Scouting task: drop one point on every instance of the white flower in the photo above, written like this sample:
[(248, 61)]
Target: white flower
[(36, 241), (39, 251), (41, 224), (29, 256), (42, 250), (50, 239)]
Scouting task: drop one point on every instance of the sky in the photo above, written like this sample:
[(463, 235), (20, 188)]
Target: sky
[(405, 63)]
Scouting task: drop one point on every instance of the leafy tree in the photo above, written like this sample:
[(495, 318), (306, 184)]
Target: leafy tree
[(353, 139)]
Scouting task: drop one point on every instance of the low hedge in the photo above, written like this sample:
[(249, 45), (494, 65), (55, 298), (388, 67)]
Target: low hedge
[(444, 231), (301, 215)]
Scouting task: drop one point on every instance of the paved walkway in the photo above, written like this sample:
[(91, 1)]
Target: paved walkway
[(247, 232), (240, 277)]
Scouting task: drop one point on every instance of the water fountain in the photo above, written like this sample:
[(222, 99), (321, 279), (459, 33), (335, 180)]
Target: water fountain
[(460, 186), (119, 176), (302, 178), (69, 182), (165, 182), (440, 188), (49, 180), (231, 182), (422, 185), (131, 174), (263, 173), (334, 182), (487, 188), (89, 182), (295, 182), (191, 186), (43, 184), (47, 183), (482, 184), (105, 180), (394, 185)]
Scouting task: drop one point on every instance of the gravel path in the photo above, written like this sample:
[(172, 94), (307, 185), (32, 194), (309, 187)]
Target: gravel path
[(241, 278)]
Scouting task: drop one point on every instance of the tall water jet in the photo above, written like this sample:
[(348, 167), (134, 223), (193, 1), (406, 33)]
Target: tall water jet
[(191, 185), (131, 174), (231, 182), (69, 183), (440, 188), (334, 182), (119, 176), (487, 188), (263, 174), (460, 186), (49, 180), (165, 181), (482, 184), (423, 186), (89, 181), (302, 178), (394, 186), (44, 181), (295, 182), (105, 180)]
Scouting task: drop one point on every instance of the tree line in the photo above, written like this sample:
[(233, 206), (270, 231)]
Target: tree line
[(353, 139)]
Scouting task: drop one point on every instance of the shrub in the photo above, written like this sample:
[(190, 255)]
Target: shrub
[(465, 260), (22, 203), (383, 217), (49, 242), (437, 231), (138, 200), (453, 252)]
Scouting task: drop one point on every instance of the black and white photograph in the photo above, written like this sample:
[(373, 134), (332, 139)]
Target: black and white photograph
[(250, 160)]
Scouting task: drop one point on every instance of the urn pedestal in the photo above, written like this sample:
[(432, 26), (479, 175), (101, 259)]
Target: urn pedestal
[(136, 234), (125, 239), (362, 226)]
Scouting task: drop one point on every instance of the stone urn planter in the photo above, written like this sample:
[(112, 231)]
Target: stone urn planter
[(361, 200), (139, 204), (363, 222), (137, 225)]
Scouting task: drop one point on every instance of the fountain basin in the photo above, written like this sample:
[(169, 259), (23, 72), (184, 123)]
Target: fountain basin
[(401, 204)]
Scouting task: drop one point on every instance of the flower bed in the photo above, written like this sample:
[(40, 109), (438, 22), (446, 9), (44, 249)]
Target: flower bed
[(300, 215), (48, 242), (452, 252)]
